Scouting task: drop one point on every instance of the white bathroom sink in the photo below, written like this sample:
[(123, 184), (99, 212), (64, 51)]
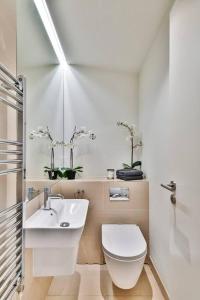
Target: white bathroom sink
[(72, 211), (54, 236)]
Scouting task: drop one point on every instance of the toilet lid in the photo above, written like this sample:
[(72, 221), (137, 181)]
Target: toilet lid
[(123, 241)]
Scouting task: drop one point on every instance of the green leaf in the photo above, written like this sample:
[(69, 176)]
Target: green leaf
[(60, 174), (78, 168), (126, 166)]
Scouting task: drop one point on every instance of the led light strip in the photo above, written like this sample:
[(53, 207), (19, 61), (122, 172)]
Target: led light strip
[(51, 31)]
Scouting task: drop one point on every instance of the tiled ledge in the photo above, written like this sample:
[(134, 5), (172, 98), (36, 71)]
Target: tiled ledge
[(103, 179), (102, 210)]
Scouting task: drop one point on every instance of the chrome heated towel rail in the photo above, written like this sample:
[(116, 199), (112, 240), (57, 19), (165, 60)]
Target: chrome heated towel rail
[(12, 160)]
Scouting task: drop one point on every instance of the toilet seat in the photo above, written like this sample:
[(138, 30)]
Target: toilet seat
[(123, 241)]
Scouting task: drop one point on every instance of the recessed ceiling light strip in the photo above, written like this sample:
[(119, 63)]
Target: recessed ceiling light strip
[(50, 29)]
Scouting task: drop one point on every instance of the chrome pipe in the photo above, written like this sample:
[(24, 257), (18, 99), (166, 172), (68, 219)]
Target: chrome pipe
[(8, 213), (16, 170), (5, 101), (9, 278), (14, 226), (7, 210), (7, 252), (7, 271), (9, 142), (10, 240), (10, 250), (11, 76), (12, 287), (9, 219), (4, 91), (10, 258), (10, 161), (12, 93), (11, 152), (10, 85)]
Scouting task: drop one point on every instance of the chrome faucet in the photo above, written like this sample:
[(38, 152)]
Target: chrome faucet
[(32, 193), (47, 195)]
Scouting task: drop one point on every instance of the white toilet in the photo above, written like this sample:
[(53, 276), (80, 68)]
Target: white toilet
[(125, 250)]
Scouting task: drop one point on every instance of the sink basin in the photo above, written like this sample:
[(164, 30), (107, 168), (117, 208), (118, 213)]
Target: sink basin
[(73, 211), (54, 236)]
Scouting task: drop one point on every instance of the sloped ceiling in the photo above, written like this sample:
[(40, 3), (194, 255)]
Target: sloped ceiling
[(34, 48), (113, 34)]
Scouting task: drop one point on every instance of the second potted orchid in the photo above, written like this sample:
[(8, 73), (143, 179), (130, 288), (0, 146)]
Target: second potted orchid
[(45, 133), (63, 172), (78, 133)]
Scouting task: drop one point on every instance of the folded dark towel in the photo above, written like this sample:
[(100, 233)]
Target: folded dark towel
[(125, 178), (129, 174)]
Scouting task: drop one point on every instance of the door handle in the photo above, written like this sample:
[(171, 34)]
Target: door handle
[(172, 188)]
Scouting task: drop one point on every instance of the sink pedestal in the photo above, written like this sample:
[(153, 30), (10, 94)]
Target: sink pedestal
[(55, 248), (54, 261)]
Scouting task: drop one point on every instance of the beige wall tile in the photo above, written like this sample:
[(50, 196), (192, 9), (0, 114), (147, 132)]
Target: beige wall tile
[(102, 210), (32, 206), (90, 250), (40, 184), (93, 191), (138, 195)]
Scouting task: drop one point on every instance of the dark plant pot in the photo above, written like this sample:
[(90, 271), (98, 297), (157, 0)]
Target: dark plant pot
[(71, 174), (53, 175)]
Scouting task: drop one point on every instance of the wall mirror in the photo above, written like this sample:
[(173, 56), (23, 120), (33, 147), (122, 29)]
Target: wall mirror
[(94, 91)]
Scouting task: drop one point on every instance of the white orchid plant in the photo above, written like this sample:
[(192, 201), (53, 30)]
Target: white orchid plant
[(132, 135), (41, 132), (78, 133)]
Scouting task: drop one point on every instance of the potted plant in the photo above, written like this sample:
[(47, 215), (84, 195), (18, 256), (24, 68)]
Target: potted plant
[(45, 133), (71, 172), (132, 135), (52, 172)]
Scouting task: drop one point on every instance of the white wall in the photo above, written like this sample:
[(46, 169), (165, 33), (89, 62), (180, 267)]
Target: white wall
[(98, 98), (153, 116), (36, 60), (44, 108), (92, 97), (184, 149), (169, 121)]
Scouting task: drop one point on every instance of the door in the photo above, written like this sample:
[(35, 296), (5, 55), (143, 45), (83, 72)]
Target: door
[(184, 151)]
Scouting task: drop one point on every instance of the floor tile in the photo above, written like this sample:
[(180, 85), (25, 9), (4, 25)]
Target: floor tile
[(129, 298), (61, 298), (93, 282), (81, 297), (157, 295)]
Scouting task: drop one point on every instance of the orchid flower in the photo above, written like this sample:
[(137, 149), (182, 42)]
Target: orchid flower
[(41, 132), (132, 134), (78, 133)]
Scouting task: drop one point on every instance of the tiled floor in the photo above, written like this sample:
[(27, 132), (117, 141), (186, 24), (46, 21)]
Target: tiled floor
[(92, 282)]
